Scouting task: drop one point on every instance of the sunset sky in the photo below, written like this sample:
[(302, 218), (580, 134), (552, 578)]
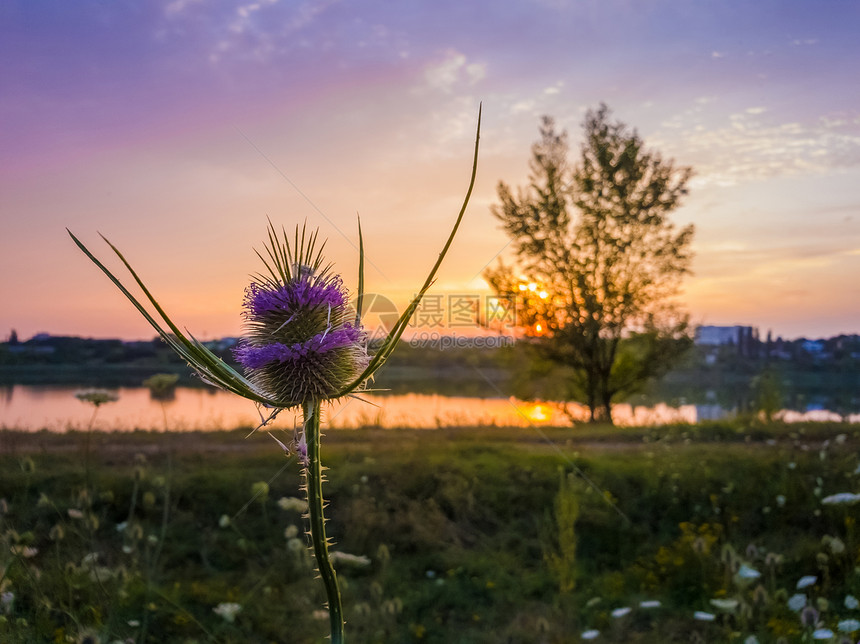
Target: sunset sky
[(176, 127)]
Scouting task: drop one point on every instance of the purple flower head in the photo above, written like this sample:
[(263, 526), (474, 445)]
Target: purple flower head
[(302, 342), (302, 293), (256, 357)]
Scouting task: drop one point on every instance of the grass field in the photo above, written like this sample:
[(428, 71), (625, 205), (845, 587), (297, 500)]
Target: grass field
[(714, 533)]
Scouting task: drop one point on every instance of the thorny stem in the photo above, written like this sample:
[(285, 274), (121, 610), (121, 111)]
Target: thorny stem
[(313, 472)]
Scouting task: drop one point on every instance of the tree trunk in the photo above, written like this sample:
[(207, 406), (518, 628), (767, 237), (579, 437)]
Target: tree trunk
[(607, 411), (601, 413), (593, 410)]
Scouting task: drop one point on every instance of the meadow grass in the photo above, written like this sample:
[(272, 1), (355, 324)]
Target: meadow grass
[(480, 535)]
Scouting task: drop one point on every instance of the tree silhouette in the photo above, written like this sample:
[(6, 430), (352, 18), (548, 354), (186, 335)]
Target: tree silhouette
[(598, 264)]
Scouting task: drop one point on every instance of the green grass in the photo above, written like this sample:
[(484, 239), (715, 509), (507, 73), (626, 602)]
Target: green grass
[(458, 525)]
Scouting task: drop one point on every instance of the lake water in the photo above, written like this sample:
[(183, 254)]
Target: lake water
[(55, 408)]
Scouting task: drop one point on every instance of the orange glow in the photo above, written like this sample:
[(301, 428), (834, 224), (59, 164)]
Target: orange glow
[(532, 286), (538, 413), (538, 328), (543, 295)]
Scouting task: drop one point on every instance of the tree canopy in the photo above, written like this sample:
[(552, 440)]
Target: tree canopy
[(598, 261)]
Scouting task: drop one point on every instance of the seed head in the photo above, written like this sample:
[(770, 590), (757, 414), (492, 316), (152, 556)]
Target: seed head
[(96, 397)]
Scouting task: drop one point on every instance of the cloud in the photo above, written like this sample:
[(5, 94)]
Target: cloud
[(527, 106), (751, 145), (452, 71), (177, 7), (261, 30)]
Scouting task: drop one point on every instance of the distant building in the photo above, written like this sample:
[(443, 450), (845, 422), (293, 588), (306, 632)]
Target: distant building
[(814, 347), (745, 338), (222, 344)]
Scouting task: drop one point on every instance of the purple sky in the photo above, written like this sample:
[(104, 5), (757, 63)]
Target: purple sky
[(175, 128)]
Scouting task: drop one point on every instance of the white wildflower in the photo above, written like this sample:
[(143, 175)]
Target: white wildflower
[(650, 603), (227, 610), (346, 559), (797, 602), (725, 604), (590, 634), (849, 626), (621, 612), (702, 616), (806, 581), (822, 634), (837, 546), (851, 602), (842, 498), (745, 572)]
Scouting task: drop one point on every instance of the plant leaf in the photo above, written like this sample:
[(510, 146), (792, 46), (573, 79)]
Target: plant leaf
[(399, 327)]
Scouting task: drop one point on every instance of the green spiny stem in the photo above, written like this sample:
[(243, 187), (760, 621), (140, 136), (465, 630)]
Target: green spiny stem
[(313, 470)]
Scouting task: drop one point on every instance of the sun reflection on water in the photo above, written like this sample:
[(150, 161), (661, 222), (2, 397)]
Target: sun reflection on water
[(55, 408), (538, 413)]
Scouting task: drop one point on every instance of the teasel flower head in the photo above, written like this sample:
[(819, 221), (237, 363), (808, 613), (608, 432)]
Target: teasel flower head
[(303, 340)]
